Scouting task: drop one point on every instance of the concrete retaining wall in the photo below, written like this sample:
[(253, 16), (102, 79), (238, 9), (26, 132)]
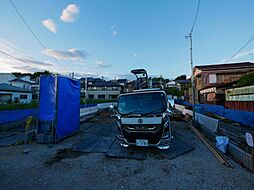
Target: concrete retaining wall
[(210, 125), (92, 110), (179, 107)]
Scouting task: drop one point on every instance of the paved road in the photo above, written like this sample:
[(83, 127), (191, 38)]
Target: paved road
[(195, 170)]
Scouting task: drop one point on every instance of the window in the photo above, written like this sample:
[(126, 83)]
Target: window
[(142, 103), (23, 96), (112, 97), (212, 78), (114, 88), (91, 96), (101, 96)]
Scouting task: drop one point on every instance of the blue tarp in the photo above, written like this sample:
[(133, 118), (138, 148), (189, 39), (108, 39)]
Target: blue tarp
[(68, 106), (47, 98), (242, 117), (15, 115)]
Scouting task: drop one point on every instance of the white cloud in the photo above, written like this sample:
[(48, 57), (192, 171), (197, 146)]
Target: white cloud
[(100, 63), (70, 13), (49, 24), (36, 62), (19, 61), (136, 55), (71, 54), (114, 33)]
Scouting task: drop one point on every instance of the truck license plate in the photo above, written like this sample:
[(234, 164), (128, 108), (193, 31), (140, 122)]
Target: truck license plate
[(141, 142)]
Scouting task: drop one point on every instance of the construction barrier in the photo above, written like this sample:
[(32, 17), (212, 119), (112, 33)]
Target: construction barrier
[(16, 115), (209, 122), (242, 117), (179, 107)]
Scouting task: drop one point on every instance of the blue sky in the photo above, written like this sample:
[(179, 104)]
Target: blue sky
[(110, 37)]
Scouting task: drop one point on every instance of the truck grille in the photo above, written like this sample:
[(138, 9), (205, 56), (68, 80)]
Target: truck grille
[(152, 133)]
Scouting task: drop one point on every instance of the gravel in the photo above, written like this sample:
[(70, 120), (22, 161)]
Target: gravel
[(198, 169)]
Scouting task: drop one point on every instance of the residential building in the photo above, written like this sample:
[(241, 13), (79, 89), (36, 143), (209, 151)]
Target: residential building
[(9, 93), (20, 82), (184, 84), (172, 84), (240, 98), (210, 79), (123, 83), (131, 85), (6, 77), (101, 90), (35, 88)]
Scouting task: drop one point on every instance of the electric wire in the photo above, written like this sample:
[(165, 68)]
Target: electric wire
[(14, 57), (196, 17), (247, 43), (33, 33)]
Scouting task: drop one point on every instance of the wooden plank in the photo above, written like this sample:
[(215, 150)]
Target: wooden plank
[(217, 154)]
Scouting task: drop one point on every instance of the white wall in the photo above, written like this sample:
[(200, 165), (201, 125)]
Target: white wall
[(101, 92), (17, 95), (21, 84), (106, 93)]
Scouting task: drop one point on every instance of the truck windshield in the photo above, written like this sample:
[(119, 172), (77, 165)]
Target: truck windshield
[(142, 103)]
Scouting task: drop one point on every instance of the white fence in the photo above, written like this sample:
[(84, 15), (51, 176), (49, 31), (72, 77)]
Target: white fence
[(94, 109), (208, 122)]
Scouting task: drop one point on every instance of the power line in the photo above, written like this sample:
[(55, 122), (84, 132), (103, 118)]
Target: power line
[(247, 43), (12, 56), (9, 55), (35, 36), (191, 62), (196, 16)]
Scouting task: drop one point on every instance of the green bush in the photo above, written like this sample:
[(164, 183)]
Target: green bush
[(95, 101), (246, 80), (17, 106)]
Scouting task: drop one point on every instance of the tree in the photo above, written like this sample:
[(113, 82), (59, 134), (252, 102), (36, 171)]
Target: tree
[(174, 92), (33, 76), (246, 80), (181, 77), (38, 74)]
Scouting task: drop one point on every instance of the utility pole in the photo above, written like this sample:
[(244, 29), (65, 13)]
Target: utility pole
[(85, 90), (192, 77)]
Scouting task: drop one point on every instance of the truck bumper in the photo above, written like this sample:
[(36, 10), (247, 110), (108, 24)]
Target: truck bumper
[(163, 144)]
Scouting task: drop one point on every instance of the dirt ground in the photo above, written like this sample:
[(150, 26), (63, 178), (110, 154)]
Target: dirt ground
[(57, 167)]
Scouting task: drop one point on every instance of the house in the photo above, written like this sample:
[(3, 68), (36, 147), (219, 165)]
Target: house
[(172, 84), (240, 98), (184, 84), (130, 86), (123, 83), (101, 90), (35, 88), (6, 77), (88, 81), (20, 82), (210, 79), (9, 93)]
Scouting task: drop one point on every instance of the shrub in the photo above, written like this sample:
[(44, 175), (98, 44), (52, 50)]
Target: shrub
[(246, 80)]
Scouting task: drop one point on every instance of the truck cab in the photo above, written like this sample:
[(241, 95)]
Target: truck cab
[(143, 119)]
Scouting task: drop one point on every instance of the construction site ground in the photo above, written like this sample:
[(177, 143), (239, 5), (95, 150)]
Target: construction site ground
[(59, 167)]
